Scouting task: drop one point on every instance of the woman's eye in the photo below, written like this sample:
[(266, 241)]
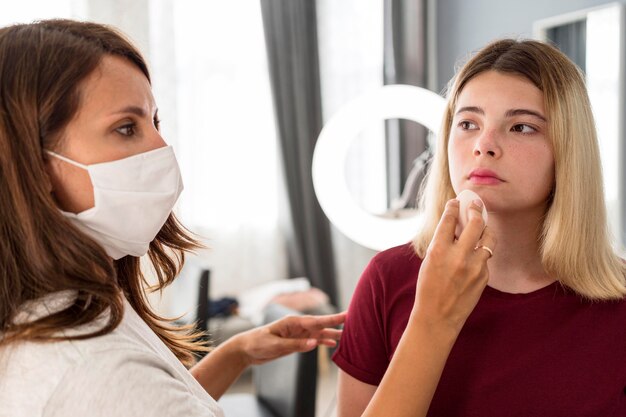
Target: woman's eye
[(157, 123), (465, 125), (126, 130), (524, 129)]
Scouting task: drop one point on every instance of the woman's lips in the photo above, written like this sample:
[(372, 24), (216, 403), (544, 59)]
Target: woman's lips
[(484, 177)]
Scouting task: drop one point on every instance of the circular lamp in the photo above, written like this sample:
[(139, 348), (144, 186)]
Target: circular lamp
[(389, 102)]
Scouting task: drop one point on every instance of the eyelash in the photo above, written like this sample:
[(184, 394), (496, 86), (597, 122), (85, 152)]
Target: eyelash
[(533, 130), (463, 125), (129, 126), (132, 126)]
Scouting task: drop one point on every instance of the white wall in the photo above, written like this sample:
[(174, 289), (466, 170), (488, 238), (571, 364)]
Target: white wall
[(464, 26)]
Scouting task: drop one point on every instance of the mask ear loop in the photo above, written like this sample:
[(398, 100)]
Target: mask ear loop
[(68, 160)]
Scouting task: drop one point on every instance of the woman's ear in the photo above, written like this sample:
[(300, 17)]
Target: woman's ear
[(69, 186), (50, 168)]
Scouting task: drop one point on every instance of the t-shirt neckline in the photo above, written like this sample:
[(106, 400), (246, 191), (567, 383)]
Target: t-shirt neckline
[(546, 290)]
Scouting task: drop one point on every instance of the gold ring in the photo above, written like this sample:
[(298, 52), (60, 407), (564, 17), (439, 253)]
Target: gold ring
[(485, 248)]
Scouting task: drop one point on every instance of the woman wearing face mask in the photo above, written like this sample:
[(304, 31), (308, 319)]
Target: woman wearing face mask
[(87, 186), (546, 337)]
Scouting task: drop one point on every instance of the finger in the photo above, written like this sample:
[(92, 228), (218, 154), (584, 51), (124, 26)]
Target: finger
[(488, 241), (334, 334), (321, 322), (298, 345), (332, 320), (328, 342), (475, 226), (447, 224)]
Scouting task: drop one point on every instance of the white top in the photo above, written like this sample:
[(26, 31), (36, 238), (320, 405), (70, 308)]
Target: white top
[(129, 372)]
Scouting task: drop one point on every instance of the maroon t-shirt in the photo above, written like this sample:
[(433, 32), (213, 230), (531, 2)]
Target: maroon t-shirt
[(547, 353)]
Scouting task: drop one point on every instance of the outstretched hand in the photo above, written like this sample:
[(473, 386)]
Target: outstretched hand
[(288, 335)]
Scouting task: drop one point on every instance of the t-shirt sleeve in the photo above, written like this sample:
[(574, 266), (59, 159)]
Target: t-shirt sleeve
[(125, 383), (362, 351)]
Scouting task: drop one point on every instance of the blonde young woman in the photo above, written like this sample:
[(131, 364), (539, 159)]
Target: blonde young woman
[(547, 335), (87, 185)]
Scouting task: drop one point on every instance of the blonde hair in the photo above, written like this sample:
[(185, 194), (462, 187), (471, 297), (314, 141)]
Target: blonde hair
[(574, 240)]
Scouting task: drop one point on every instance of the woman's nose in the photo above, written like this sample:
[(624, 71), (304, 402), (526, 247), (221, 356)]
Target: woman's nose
[(157, 141), (487, 144)]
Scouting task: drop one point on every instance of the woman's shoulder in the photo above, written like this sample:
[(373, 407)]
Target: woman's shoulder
[(46, 361), (401, 253), (77, 349), (102, 376), (392, 270), (131, 337), (32, 372), (95, 372), (398, 259)]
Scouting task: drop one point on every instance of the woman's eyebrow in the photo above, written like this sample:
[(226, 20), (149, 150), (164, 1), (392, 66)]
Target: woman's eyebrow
[(136, 110), (518, 112), (509, 113), (471, 109)]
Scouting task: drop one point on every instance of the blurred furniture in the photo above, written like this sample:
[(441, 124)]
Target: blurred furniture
[(285, 387), (222, 328), (202, 311)]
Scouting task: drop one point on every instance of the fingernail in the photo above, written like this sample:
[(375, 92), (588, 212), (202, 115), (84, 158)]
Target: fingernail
[(478, 203), (311, 342)]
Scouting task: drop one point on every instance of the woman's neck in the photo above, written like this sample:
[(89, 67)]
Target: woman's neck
[(516, 263)]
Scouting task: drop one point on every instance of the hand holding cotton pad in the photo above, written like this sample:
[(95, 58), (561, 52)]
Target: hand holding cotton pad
[(465, 198)]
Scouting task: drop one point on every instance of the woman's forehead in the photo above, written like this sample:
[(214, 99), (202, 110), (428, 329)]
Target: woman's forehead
[(116, 83), (492, 90)]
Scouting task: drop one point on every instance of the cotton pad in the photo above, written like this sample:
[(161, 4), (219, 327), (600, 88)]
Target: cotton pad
[(465, 198)]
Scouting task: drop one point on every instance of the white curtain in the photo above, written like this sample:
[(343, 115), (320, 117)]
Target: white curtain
[(229, 154), (350, 36)]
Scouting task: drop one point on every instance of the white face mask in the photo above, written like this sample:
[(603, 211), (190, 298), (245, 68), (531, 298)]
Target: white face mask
[(133, 198)]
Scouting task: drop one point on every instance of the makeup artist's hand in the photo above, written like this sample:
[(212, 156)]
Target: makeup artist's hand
[(288, 335), (220, 368), (454, 272)]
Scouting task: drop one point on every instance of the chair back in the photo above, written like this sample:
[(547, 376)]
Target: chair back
[(202, 309), (287, 386)]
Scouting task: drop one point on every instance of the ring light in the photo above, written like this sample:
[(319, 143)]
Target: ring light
[(389, 102)]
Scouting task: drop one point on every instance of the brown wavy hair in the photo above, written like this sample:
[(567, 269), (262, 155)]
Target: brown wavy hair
[(42, 66)]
